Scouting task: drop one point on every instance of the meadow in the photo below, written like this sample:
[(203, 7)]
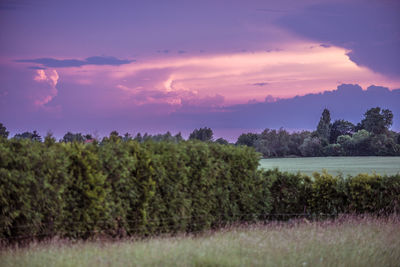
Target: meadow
[(346, 241), (335, 165)]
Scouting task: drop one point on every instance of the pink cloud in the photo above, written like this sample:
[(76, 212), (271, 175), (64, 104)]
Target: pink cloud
[(47, 90)]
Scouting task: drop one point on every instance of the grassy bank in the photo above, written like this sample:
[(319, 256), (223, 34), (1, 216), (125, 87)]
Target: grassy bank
[(343, 242)]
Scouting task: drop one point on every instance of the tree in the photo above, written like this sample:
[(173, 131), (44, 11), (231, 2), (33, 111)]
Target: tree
[(222, 141), (377, 121), (247, 139), (28, 135), (324, 126), (340, 127), (127, 137), (73, 137), (311, 147), (3, 131), (202, 134), (272, 143)]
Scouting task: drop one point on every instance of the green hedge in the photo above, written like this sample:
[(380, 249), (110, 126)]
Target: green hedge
[(125, 188), (118, 188)]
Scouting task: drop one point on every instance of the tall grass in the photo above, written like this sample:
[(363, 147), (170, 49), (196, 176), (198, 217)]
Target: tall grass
[(346, 241)]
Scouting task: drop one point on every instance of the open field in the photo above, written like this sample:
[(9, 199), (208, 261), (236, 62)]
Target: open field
[(344, 242), (335, 165)]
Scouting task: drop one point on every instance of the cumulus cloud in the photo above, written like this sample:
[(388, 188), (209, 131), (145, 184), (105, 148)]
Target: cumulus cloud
[(294, 69), (48, 79)]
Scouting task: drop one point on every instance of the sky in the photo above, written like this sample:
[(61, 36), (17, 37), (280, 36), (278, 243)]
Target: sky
[(157, 66)]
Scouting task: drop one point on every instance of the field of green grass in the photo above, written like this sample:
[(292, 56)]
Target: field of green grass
[(343, 242), (335, 165)]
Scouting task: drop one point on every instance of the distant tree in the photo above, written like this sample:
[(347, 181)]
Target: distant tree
[(202, 134), (324, 126), (311, 147), (295, 141), (3, 131), (377, 121), (138, 138), (222, 141), (178, 137), (34, 136), (73, 137), (273, 143), (340, 127), (114, 136), (49, 139), (127, 137), (247, 139), (88, 137)]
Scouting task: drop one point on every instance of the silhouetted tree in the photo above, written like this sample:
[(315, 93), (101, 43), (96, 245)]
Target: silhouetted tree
[(340, 127), (202, 134), (247, 139), (34, 136), (222, 141), (377, 121), (73, 137), (3, 131), (324, 126)]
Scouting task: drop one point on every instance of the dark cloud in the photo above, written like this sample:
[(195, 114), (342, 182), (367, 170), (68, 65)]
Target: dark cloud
[(348, 101), (181, 52), (260, 84), (370, 30), (325, 45), (64, 63), (36, 68)]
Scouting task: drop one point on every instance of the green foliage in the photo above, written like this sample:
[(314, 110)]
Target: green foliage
[(328, 193), (377, 121), (340, 127), (247, 139), (371, 137), (34, 136), (289, 192), (73, 137), (311, 147), (3, 131), (122, 187), (222, 141), (324, 126), (85, 192), (374, 194)]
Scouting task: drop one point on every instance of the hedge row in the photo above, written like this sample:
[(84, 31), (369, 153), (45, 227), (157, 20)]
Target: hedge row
[(119, 188)]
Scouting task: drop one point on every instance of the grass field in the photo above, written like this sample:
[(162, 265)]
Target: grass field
[(335, 165), (343, 242)]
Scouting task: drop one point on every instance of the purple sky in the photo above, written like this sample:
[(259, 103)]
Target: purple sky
[(235, 66)]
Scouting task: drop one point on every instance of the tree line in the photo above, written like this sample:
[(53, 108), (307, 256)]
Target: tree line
[(370, 137)]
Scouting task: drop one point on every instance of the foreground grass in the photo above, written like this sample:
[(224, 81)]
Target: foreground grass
[(343, 242)]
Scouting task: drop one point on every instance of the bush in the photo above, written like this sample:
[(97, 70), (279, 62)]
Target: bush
[(374, 194), (328, 194), (121, 187), (290, 192)]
